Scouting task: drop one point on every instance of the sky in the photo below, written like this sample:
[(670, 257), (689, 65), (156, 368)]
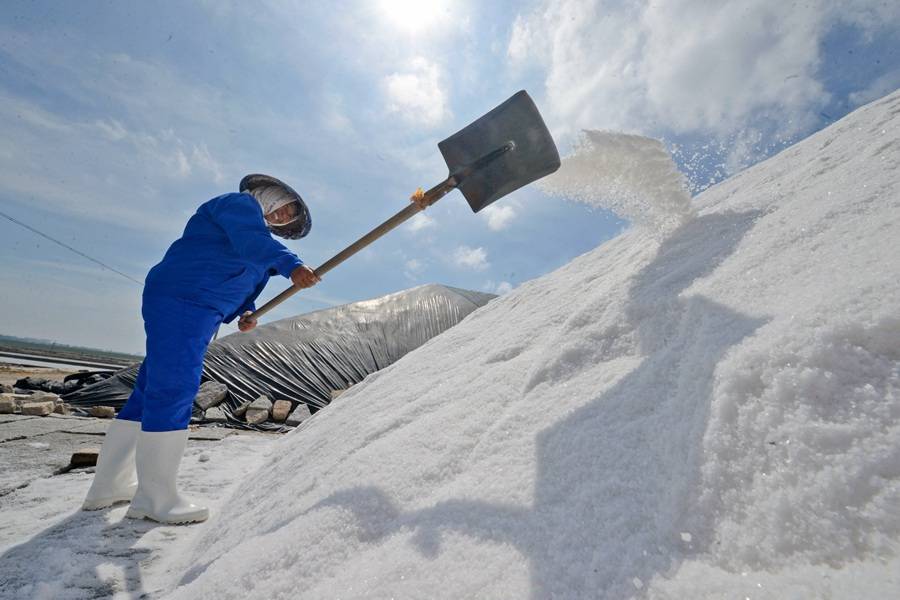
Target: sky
[(119, 119)]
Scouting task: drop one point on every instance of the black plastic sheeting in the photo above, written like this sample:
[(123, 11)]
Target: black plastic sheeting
[(69, 384), (305, 358)]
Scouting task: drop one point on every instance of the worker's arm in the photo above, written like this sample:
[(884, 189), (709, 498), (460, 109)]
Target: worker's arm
[(240, 217), (302, 277)]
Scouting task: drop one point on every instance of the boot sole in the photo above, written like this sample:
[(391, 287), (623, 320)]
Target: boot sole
[(141, 514)]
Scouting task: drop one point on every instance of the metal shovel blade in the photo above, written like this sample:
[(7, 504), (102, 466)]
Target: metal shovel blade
[(532, 155)]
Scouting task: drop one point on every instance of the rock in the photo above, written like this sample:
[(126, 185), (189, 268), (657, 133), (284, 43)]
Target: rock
[(103, 412), (16, 399), (84, 457), (211, 393), (300, 414), (8, 405), (44, 397), (262, 402), (240, 410), (38, 409), (62, 409), (255, 416), (6, 389), (215, 414), (259, 410), (280, 410)]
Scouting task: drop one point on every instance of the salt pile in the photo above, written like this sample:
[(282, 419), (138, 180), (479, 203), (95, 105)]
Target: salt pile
[(714, 412)]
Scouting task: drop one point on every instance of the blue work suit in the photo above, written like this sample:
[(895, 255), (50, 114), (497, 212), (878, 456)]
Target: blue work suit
[(210, 275)]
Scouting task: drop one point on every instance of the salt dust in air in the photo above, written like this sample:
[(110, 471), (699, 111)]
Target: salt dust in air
[(630, 175)]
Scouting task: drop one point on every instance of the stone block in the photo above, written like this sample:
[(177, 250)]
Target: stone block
[(40, 396), (262, 403), (215, 414), (6, 389), (84, 457), (259, 410), (300, 414), (21, 399), (211, 393), (62, 408), (16, 399), (241, 409), (255, 416), (280, 410), (103, 412), (8, 405), (38, 409)]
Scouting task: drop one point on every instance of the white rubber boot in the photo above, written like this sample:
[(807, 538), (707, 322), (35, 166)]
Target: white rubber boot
[(158, 456), (115, 479)]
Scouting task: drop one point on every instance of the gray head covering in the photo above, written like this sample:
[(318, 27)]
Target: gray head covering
[(272, 199)]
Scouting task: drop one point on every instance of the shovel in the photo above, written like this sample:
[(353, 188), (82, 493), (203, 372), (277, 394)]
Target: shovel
[(502, 151)]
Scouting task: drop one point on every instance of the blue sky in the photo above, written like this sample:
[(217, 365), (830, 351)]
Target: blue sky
[(120, 118)]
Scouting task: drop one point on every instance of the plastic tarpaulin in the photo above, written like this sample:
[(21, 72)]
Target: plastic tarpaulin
[(305, 358)]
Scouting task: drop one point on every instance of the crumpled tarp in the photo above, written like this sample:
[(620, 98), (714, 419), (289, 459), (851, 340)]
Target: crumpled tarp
[(69, 384), (305, 358)]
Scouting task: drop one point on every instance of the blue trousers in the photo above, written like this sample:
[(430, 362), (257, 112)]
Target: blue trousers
[(178, 333)]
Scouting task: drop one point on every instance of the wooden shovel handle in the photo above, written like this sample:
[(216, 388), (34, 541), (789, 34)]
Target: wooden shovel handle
[(431, 196)]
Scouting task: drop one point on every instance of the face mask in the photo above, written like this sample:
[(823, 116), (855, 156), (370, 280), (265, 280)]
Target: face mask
[(271, 198), (284, 215)]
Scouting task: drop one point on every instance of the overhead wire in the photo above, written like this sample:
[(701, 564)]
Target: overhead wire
[(70, 248)]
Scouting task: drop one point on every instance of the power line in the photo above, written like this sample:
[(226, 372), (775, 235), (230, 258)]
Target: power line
[(68, 247)]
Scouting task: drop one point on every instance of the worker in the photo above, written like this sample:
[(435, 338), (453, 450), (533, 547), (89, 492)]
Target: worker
[(211, 275)]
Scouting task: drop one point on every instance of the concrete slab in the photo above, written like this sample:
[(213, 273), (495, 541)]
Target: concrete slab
[(87, 426), (23, 461), (11, 418), (28, 427)]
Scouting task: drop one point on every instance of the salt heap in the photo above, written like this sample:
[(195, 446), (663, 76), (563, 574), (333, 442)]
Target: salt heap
[(710, 413)]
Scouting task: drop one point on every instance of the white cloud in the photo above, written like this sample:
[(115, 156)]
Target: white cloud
[(498, 217), (499, 288), (471, 258), (415, 16), (685, 65), (882, 86), (419, 222), (334, 114), (413, 269), (418, 93)]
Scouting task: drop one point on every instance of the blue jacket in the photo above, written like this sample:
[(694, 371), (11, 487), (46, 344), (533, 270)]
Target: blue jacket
[(223, 259)]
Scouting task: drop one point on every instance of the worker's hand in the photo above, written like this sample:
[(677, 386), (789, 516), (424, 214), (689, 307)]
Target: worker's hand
[(246, 322), (304, 277)]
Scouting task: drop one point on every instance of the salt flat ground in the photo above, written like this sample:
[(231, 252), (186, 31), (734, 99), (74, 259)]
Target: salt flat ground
[(49, 549)]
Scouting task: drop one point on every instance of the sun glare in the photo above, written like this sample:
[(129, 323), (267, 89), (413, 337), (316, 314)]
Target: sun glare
[(414, 15)]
